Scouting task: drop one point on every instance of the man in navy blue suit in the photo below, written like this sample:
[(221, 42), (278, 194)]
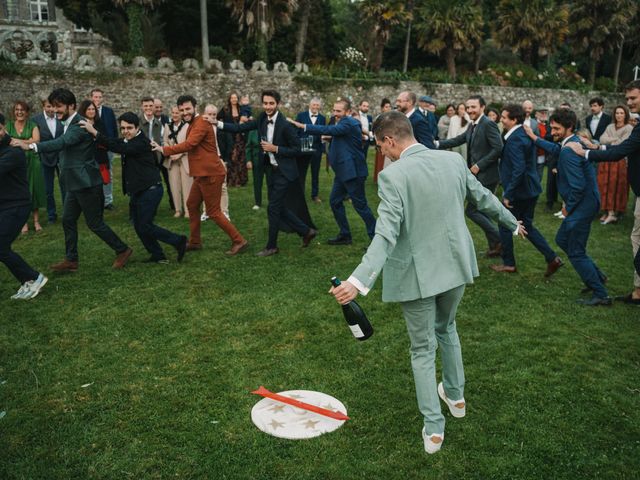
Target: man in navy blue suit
[(50, 127), (406, 103), (579, 191), (348, 163), (521, 185), (427, 107), (108, 119), (312, 116)]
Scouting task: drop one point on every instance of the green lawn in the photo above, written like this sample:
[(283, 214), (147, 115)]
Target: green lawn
[(171, 353)]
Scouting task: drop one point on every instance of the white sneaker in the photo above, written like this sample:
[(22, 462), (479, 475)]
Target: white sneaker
[(31, 288), (204, 217), (455, 411), (226, 215), (561, 216), (558, 213), (429, 445), (255, 207)]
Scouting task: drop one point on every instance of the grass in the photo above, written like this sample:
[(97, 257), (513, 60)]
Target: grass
[(172, 351)]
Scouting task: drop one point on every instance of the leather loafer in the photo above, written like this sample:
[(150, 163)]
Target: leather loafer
[(339, 241), (267, 252), (628, 299), (553, 266), (311, 234), (503, 268), (595, 302), (237, 248), (122, 259), (193, 247), (181, 248), (64, 266), (495, 251)]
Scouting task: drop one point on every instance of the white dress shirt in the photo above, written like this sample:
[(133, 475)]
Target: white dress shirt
[(311, 116), (593, 126), (52, 123), (270, 128)]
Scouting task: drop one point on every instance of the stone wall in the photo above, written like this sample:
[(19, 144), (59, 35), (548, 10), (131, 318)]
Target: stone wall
[(124, 89)]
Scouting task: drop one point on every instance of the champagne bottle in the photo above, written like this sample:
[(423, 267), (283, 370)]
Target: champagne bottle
[(355, 317)]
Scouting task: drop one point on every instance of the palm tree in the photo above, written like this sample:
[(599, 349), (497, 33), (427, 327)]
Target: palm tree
[(448, 26), (597, 26), (302, 29), (531, 27), (261, 17), (134, 10), (382, 16)]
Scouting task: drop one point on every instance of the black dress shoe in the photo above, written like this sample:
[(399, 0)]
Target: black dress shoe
[(628, 299), (339, 240), (595, 301), (109, 207), (588, 289), (181, 248), (311, 234), (267, 252)]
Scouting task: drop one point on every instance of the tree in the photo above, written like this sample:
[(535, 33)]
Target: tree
[(260, 18), (302, 30), (448, 26), (532, 28), (135, 10), (382, 16), (598, 26), (407, 40)]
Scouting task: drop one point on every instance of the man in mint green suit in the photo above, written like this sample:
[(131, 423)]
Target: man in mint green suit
[(427, 253)]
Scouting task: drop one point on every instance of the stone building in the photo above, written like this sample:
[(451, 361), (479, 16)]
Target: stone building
[(36, 32)]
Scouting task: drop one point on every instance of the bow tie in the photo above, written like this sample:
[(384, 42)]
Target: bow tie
[(270, 122), (314, 116)]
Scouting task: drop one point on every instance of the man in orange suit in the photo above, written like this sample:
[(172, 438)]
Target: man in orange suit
[(208, 176)]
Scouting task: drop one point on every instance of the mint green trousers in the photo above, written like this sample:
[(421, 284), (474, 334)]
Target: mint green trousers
[(431, 322)]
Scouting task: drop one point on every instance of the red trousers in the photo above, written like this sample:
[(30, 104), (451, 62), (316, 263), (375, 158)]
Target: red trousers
[(209, 191)]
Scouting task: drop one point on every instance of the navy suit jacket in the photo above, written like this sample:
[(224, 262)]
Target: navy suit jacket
[(518, 173), (630, 148), (345, 154), (285, 138), (603, 123), (577, 184), (48, 159), (432, 121), (421, 129), (108, 119), (304, 117)]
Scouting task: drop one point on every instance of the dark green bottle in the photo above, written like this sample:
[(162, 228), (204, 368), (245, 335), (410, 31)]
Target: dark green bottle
[(355, 317)]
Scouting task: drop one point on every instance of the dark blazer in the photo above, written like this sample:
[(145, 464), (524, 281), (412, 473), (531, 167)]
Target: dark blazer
[(14, 186), (604, 122), (630, 148), (109, 123), (304, 117), (78, 166), (48, 159), (483, 149), (345, 155), (518, 173), (432, 122), (421, 129), (285, 138), (139, 170), (577, 184)]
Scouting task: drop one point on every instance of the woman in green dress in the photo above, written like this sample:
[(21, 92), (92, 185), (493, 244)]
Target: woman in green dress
[(23, 130)]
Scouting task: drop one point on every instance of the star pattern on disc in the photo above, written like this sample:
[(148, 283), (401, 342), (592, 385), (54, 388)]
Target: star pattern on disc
[(275, 424), (276, 408), (311, 424)]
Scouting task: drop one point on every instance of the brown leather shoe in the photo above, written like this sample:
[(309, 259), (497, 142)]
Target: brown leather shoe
[(311, 234), (495, 251), (192, 247), (553, 266), (503, 268), (65, 266), (238, 247), (122, 259), (267, 252), (316, 200)]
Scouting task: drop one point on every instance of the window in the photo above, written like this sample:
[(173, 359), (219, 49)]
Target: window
[(39, 10)]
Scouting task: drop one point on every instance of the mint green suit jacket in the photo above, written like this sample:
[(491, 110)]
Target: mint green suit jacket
[(422, 240)]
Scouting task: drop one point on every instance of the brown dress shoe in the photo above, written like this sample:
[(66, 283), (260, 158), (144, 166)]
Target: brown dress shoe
[(553, 266), (122, 259), (311, 234), (238, 247), (317, 200), (267, 252), (495, 251), (503, 268), (192, 247), (65, 266)]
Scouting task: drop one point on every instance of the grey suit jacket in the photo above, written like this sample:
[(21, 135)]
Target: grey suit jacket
[(49, 159), (483, 149), (422, 240)]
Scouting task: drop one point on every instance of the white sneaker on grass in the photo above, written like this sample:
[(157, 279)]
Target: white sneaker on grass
[(455, 411), (429, 445), (256, 207), (31, 288), (204, 217)]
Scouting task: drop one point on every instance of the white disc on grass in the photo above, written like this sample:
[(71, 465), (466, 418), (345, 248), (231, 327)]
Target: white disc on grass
[(286, 421)]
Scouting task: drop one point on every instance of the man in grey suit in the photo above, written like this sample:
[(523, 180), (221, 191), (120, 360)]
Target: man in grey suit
[(50, 127), (427, 253), (484, 146)]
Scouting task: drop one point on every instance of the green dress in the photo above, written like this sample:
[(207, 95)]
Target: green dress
[(34, 169)]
